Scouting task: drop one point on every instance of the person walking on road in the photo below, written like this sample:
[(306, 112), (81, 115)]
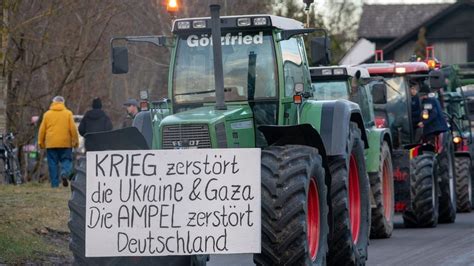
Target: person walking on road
[(95, 120), (58, 135), (132, 111)]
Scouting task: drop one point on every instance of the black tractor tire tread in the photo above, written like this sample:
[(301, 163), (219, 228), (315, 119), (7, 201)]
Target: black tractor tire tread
[(285, 171), (463, 174), (342, 250), (380, 226), (409, 219), (422, 174), (447, 208)]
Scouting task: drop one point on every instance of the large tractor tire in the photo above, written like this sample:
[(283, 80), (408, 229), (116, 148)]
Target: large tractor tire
[(77, 208), (382, 187), (424, 192), (463, 183), (350, 204), (447, 184), (294, 207)]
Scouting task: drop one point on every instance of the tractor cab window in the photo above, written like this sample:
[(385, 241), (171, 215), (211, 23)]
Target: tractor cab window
[(248, 61), (292, 64), (365, 103), (330, 90), (398, 110)]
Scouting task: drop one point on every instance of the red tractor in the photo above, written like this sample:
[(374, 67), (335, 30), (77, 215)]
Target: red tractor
[(425, 188)]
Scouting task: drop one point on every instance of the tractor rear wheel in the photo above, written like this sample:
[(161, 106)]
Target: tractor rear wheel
[(294, 207), (447, 184), (76, 224), (382, 187), (350, 204), (424, 192), (463, 183)]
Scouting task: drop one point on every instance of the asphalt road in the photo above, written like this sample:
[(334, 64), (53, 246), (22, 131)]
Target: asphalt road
[(447, 244)]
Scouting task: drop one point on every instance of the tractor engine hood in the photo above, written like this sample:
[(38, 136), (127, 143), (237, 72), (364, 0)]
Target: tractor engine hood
[(206, 127)]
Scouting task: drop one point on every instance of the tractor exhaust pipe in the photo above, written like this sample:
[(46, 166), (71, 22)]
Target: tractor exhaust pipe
[(217, 51)]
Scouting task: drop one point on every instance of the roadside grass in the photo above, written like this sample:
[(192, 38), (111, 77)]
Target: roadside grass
[(33, 224)]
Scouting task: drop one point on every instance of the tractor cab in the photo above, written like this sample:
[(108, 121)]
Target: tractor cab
[(396, 112), (420, 135), (347, 83), (264, 65)]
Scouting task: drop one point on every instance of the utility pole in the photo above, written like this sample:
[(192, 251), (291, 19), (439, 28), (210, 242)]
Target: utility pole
[(225, 7), (306, 9)]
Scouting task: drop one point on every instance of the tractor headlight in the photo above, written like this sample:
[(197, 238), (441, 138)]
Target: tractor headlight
[(326, 72), (243, 22), (183, 25), (260, 21), (199, 24), (457, 140), (338, 71), (425, 115)]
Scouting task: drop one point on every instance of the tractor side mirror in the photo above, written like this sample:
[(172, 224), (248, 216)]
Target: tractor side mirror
[(119, 60), (379, 93), (320, 51), (436, 80)]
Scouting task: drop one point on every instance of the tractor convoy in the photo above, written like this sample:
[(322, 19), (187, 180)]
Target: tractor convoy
[(339, 153)]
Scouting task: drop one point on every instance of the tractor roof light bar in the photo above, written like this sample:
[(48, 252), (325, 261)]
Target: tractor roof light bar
[(243, 22), (328, 72)]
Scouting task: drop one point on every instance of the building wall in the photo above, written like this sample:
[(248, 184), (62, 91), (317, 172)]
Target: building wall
[(452, 37), (451, 52), (405, 52)]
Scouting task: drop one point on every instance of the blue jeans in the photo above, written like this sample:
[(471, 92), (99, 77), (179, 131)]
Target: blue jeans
[(58, 156)]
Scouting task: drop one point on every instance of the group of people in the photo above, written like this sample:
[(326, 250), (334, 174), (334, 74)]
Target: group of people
[(58, 133)]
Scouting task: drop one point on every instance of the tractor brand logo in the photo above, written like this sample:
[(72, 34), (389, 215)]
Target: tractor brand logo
[(185, 144), (229, 39)]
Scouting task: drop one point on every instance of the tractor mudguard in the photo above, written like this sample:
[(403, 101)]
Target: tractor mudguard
[(376, 138), (122, 139), (331, 119), (462, 154), (303, 134)]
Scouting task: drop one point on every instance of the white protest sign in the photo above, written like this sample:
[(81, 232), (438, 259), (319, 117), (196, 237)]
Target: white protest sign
[(173, 202)]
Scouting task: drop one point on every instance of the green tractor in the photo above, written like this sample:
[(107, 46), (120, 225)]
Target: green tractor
[(244, 81), (456, 108), (355, 84)]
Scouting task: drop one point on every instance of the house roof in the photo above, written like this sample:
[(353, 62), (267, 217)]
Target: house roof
[(414, 31), (393, 21)]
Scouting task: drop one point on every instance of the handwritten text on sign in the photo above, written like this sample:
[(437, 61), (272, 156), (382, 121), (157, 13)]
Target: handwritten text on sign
[(173, 202)]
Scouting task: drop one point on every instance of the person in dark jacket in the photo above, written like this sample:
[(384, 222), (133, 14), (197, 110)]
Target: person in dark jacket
[(433, 120), (95, 120)]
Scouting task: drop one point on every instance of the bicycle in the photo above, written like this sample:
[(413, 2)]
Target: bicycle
[(11, 167)]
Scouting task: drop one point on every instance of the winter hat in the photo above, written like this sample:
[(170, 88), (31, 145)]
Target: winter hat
[(58, 99), (130, 102), (96, 103)]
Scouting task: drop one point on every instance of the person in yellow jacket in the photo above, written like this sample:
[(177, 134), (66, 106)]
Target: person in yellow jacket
[(58, 135)]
